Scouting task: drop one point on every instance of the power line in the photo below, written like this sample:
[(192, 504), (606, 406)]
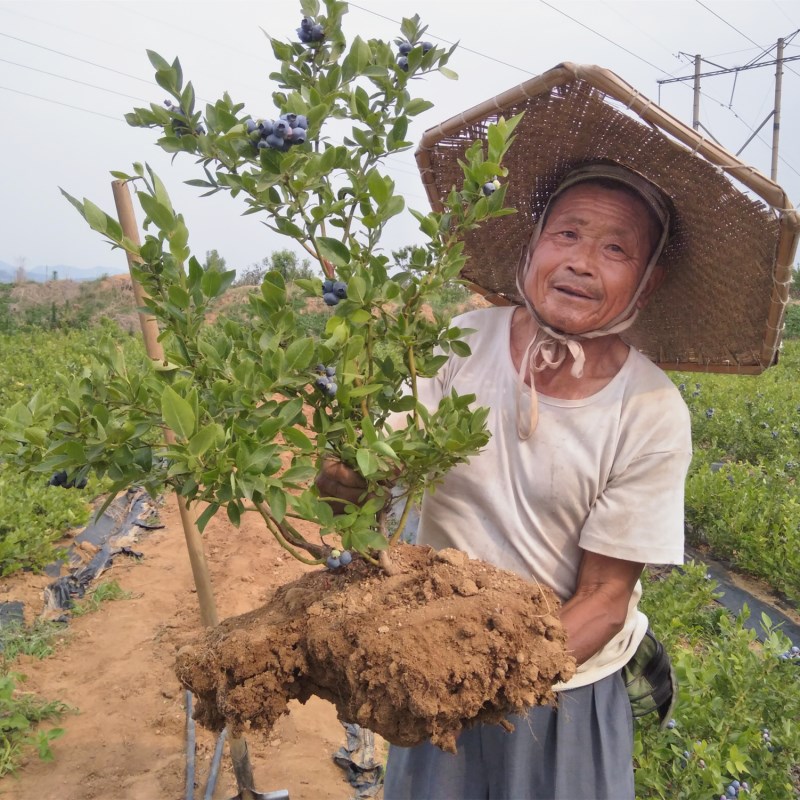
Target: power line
[(59, 103), (447, 41), (733, 27), (777, 5), (73, 80), (605, 38), (76, 58)]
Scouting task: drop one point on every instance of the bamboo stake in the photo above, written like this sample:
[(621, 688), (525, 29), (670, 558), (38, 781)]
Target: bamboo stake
[(194, 541)]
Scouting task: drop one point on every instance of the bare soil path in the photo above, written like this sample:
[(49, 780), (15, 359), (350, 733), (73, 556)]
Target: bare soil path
[(127, 739)]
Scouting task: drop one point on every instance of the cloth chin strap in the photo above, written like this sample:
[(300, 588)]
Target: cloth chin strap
[(548, 349)]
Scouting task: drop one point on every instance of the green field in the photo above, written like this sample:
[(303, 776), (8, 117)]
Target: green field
[(742, 507)]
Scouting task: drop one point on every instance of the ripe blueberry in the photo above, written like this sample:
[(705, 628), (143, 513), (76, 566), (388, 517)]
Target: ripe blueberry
[(298, 135), (402, 62), (345, 558), (321, 383), (265, 126), (277, 142), (281, 128), (404, 48), (330, 299), (426, 46), (327, 285), (251, 125), (340, 289), (301, 121), (330, 371), (331, 389), (333, 563)]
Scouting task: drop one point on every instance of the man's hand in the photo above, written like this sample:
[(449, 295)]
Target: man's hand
[(336, 481)]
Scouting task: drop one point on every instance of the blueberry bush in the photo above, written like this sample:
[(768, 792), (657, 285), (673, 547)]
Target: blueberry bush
[(33, 513), (742, 498), (255, 406), (736, 727)]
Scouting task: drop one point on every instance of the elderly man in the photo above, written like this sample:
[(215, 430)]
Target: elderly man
[(568, 501), (581, 483)]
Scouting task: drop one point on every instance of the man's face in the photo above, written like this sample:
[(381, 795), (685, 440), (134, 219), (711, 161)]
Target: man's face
[(590, 258)]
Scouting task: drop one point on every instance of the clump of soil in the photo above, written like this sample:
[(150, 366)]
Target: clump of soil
[(446, 643)]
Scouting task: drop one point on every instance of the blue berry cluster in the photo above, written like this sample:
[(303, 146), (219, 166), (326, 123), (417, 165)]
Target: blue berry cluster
[(281, 134), (404, 48), (734, 789), (339, 558), (326, 380), (179, 126), (333, 292), (791, 655), (60, 479), (310, 32)]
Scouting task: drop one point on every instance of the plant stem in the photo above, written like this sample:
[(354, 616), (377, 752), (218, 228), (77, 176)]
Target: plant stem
[(275, 530), (403, 517)]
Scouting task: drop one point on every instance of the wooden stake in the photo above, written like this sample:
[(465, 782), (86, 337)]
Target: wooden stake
[(194, 541)]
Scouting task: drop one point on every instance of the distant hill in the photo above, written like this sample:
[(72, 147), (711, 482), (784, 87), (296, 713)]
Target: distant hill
[(41, 273)]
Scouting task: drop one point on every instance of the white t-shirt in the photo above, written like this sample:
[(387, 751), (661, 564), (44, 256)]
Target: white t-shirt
[(604, 473)]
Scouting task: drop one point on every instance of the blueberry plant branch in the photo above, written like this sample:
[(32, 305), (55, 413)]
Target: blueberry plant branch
[(256, 405)]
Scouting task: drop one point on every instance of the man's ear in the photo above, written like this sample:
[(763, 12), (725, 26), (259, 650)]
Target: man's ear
[(653, 282)]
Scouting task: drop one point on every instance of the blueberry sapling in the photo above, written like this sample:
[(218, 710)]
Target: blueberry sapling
[(321, 197)]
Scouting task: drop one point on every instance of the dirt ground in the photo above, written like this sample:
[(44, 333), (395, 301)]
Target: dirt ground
[(126, 739)]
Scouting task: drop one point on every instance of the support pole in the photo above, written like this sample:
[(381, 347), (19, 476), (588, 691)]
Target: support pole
[(776, 118), (194, 541), (696, 107)]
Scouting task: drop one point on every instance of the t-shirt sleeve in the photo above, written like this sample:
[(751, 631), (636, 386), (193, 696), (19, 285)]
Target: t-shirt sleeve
[(639, 516)]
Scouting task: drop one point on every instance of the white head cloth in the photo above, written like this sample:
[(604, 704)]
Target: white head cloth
[(549, 347)]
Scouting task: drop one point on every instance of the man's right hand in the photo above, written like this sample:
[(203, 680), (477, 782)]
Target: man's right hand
[(336, 481)]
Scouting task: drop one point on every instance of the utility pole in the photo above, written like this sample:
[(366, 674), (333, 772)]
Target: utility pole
[(776, 117), (696, 108), (775, 114)]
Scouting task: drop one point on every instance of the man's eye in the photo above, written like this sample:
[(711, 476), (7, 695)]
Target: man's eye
[(568, 234)]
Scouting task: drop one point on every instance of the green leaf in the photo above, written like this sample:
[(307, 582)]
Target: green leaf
[(276, 498), (206, 516), (367, 462), (299, 474), (296, 437), (177, 413), (156, 60), (299, 354), (163, 218), (448, 73), (461, 349), (205, 438), (273, 290), (234, 514), (379, 187), (361, 391), (334, 251)]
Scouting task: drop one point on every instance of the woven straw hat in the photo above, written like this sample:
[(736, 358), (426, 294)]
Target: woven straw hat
[(729, 259)]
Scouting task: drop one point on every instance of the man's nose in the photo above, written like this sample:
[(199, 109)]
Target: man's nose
[(583, 256)]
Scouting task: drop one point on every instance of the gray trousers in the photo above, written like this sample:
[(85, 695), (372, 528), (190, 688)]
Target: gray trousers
[(581, 750)]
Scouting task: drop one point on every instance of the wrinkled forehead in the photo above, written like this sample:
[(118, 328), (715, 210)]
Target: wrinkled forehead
[(623, 211)]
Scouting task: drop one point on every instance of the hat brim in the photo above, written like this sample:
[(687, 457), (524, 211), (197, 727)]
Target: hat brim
[(729, 260)]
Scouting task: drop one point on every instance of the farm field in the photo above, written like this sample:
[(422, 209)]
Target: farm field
[(113, 666)]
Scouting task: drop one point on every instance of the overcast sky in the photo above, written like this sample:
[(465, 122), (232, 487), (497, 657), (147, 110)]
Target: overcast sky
[(70, 70)]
